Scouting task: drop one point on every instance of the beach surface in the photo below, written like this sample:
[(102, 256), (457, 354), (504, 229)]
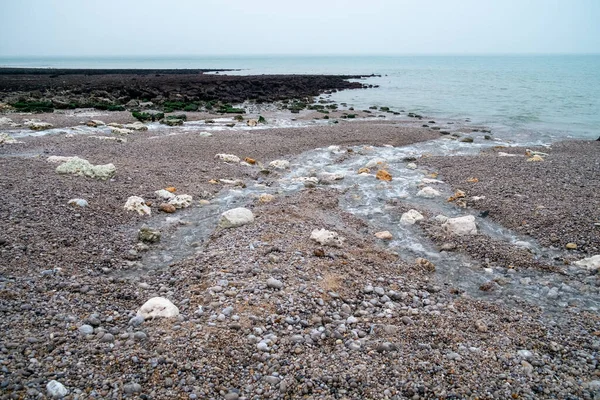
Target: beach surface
[(268, 309)]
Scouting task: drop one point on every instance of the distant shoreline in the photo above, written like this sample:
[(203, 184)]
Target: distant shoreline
[(30, 88), (105, 71)]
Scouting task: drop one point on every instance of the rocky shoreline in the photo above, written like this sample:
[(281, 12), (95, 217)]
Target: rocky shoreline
[(187, 90), (268, 308)]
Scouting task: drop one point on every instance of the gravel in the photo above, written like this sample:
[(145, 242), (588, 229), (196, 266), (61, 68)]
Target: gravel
[(357, 323)]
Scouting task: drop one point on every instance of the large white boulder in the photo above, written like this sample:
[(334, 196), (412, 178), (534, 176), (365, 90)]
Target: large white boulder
[(236, 217), (136, 203), (590, 263), (279, 164), (228, 158), (428, 193), (411, 217), (461, 225), (158, 307), (327, 238), (81, 167), (56, 390), (181, 201)]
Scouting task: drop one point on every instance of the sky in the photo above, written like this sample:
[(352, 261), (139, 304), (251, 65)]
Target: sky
[(261, 27)]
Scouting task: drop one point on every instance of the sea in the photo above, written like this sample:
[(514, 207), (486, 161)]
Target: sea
[(550, 96)]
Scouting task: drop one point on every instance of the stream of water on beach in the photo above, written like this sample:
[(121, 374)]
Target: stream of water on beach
[(369, 199)]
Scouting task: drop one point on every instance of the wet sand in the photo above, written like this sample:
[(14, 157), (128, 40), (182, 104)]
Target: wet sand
[(348, 322)]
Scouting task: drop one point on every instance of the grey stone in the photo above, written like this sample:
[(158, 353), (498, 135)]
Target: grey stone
[(86, 329), (274, 283)]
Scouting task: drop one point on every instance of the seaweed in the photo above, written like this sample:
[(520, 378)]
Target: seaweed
[(34, 106)]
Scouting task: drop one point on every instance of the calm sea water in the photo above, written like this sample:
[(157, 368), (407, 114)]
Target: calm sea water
[(556, 96)]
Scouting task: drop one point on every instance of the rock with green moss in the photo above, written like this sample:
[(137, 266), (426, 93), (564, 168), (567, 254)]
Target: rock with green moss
[(149, 115), (172, 121), (81, 167), (148, 235), (261, 120)]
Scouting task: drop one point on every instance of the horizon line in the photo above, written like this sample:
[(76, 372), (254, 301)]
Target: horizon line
[(128, 56)]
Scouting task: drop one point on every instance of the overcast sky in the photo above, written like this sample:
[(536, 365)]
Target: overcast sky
[(218, 27)]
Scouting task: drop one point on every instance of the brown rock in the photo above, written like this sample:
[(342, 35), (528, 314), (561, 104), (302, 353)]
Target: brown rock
[(571, 246), (459, 194), (168, 208), (364, 170), (266, 198), (481, 326), (249, 160), (383, 175), (384, 235), (319, 253), (425, 264), (171, 189)]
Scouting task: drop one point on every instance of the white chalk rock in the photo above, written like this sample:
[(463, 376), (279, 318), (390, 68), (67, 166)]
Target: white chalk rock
[(333, 149), (77, 202), (411, 165), (158, 307), (116, 139), (56, 390), (7, 139), (228, 158), (5, 121), (233, 182), (411, 217), (121, 131), (327, 238), (279, 164), (136, 203), (164, 194), (236, 217), (377, 162), (503, 154), (94, 123), (205, 134), (181, 201), (59, 159), (136, 126), (590, 263), (430, 181), (304, 179), (327, 178), (440, 218), (81, 167), (428, 193), (461, 225)]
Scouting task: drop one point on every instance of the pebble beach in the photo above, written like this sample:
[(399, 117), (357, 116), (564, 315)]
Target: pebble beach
[(283, 291)]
